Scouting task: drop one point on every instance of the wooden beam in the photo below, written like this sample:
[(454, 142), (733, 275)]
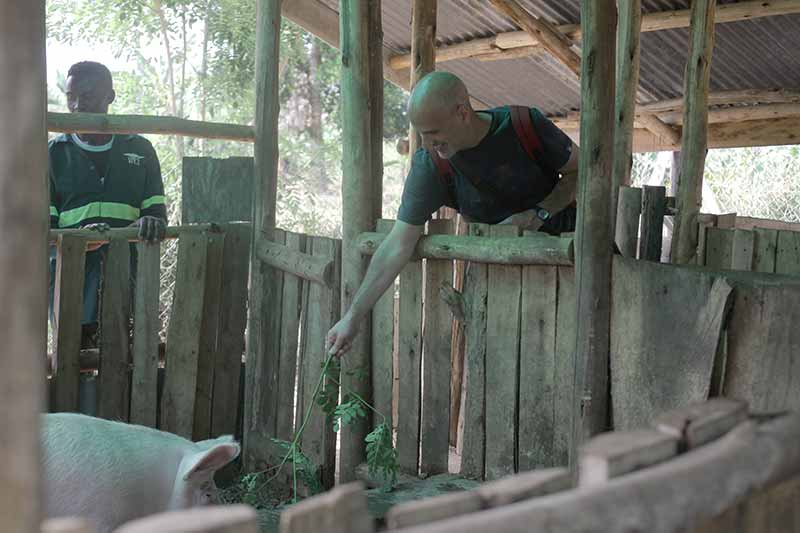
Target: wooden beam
[(357, 195), (555, 42), (102, 123), (665, 20), (262, 285), (535, 250), (560, 47), (314, 268), (23, 261), (423, 43), (594, 239), (739, 114), (695, 131), (132, 234)]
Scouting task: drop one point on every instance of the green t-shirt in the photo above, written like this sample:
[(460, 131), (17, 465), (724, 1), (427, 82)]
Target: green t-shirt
[(129, 187), (519, 182)]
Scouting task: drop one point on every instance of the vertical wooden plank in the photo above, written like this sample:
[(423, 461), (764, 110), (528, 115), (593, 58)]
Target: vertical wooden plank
[(376, 80), (232, 321), (272, 319), (216, 190), (23, 261), (502, 375), (627, 230), (114, 392), (537, 367), (436, 348), (208, 337), (318, 440), (694, 142), (765, 249), (357, 196), (68, 304), (146, 325), (287, 359), (183, 336), (787, 259), (593, 236), (653, 207), (383, 319), (566, 361), (409, 366), (719, 248), (265, 188), (474, 392), (742, 249)]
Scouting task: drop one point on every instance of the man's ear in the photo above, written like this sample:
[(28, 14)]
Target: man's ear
[(111, 97)]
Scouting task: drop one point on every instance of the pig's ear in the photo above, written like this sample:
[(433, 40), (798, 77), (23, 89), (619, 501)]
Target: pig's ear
[(211, 460)]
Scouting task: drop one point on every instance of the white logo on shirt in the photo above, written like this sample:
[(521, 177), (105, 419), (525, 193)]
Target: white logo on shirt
[(133, 159)]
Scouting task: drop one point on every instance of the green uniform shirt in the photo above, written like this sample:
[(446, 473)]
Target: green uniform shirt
[(131, 188), (498, 159)]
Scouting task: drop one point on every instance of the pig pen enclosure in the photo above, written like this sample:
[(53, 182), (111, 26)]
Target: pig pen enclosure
[(562, 337)]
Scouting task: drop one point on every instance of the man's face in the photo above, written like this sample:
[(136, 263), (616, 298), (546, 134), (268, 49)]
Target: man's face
[(442, 130), (86, 95)]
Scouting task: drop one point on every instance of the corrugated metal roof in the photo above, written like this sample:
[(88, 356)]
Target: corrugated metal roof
[(751, 54)]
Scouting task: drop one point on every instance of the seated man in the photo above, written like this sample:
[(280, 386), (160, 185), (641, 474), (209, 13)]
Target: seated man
[(482, 163), (99, 181)]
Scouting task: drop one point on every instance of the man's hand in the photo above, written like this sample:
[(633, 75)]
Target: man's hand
[(526, 220), (340, 338), (151, 228), (99, 227)]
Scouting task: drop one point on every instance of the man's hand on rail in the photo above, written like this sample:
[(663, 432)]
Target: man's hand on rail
[(340, 338), (100, 227), (151, 228)]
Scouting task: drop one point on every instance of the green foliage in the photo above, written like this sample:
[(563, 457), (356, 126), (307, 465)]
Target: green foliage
[(381, 455), (346, 412), (303, 467)]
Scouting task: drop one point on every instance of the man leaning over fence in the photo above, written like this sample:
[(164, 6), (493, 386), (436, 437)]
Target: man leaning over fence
[(101, 181), (507, 165)]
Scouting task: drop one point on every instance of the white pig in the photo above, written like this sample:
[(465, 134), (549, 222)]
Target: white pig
[(110, 472)]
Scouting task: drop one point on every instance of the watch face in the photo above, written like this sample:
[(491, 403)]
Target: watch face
[(543, 214)]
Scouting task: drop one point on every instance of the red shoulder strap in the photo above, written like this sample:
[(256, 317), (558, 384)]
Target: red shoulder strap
[(443, 167), (523, 127)]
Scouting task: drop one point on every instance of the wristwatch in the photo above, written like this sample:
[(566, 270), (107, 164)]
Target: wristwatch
[(541, 213)]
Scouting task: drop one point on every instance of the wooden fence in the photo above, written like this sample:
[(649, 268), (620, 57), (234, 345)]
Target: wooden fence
[(519, 363), (705, 468)]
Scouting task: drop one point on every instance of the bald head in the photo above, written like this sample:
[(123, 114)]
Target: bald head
[(437, 93)]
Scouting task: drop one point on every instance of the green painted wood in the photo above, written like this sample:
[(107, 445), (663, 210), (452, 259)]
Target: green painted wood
[(437, 345), (765, 249), (537, 368), (473, 396), (146, 325), (183, 336), (566, 362), (216, 190), (502, 368), (787, 260), (67, 305), (383, 333), (719, 248), (113, 401)]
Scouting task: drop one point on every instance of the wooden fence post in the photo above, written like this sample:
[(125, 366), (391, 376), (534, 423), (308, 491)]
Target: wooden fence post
[(695, 131), (357, 197), (654, 205), (258, 370), (423, 53), (23, 260), (593, 232)]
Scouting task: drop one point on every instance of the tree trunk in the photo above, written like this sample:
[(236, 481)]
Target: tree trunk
[(315, 108), (158, 7)]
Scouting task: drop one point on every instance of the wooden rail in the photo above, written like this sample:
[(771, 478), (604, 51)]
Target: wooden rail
[(132, 233), (533, 250), (102, 123)]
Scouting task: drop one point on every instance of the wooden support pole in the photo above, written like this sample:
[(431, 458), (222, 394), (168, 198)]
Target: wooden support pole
[(534, 250), (423, 45), (695, 131), (358, 216), (593, 231), (627, 81), (376, 98), (103, 123), (23, 260), (314, 268), (259, 371)]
